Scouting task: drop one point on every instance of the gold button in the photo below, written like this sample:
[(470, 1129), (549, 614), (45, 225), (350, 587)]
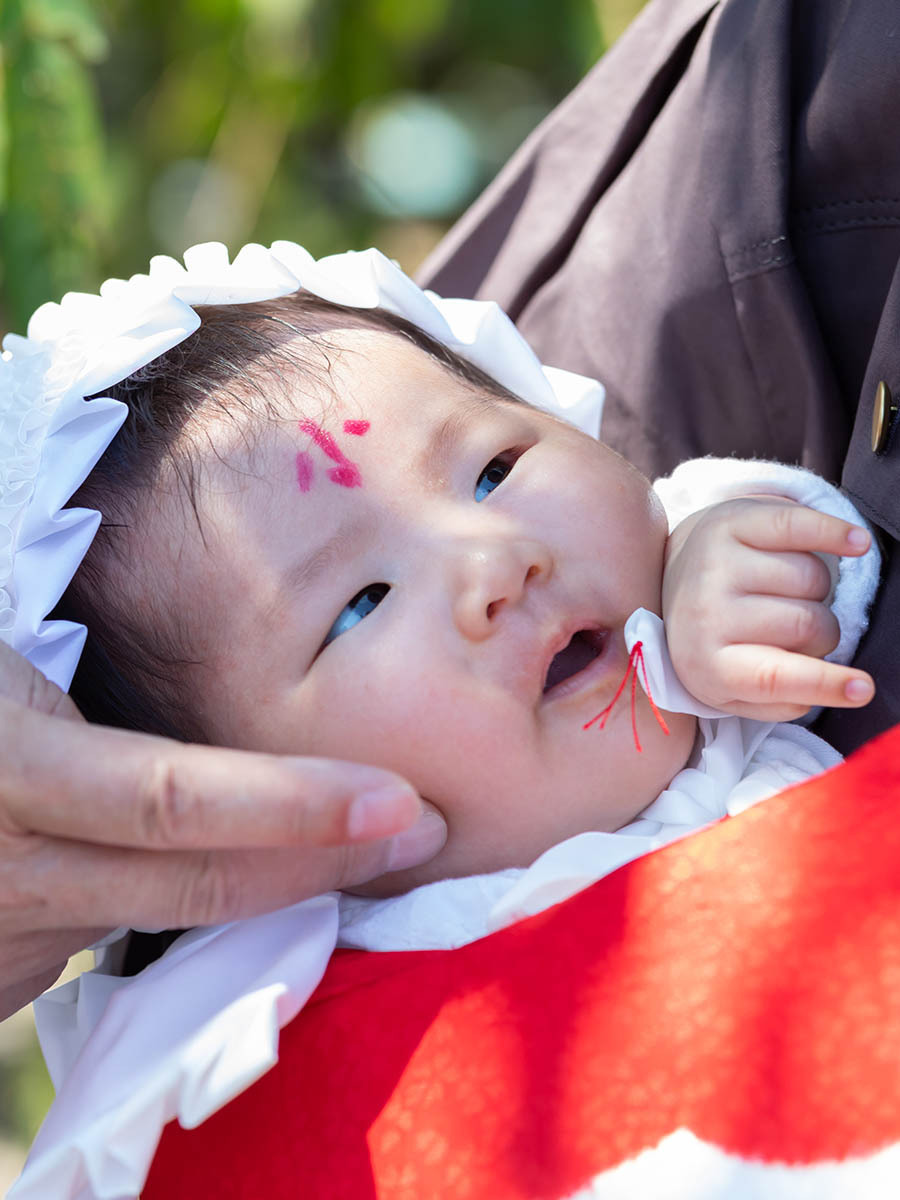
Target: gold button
[(882, 417)]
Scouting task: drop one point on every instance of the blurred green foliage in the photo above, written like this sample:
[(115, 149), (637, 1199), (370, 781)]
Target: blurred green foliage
[(26, 1084), (129, 127), (51, 148)]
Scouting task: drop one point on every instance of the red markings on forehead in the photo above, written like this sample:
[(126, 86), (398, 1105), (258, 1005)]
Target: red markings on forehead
[(358, 428), (345, 474), (304, 471)]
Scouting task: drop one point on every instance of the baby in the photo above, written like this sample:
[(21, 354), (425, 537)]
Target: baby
[(326, 534)]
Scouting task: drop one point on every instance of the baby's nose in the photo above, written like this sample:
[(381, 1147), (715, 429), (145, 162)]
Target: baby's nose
[(493, 577)]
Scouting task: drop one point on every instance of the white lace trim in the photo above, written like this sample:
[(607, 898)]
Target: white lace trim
[(51, 437), (24, 415)]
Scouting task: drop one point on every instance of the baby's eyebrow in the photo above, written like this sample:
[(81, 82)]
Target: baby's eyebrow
[(442, 444), (303, 575)]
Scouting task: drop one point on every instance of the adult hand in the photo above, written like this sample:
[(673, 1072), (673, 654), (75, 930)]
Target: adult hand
[(745, 601), (99, 828)]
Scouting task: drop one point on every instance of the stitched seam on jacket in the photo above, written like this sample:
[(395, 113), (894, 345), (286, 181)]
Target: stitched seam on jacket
[(735, 273), (808, 208), (756, 245), (742, 334), (883, 222)]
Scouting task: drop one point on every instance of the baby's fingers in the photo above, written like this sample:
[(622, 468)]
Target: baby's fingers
[(787, 573), (778, 525), (783, 622), (771, 684)]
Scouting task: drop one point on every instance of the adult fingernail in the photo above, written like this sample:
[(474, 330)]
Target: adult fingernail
[(379, 812), (858, 538), (859, 690), (418, 844)]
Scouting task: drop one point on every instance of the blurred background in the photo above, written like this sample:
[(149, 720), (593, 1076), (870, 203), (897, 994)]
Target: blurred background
[(130, 128)]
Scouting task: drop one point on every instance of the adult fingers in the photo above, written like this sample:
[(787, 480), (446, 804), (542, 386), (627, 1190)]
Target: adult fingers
[(33, 959), (781, 525), (25, 685), (69, 883), (800, 625), (92, 784), (16, 993), (787, 684)]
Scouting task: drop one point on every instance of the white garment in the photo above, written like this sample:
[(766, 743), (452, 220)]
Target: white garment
[(202, 1023)]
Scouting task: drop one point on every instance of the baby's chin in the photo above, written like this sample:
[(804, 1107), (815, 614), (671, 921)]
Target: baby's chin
[(445, 865), (464, 854), (395, 883)]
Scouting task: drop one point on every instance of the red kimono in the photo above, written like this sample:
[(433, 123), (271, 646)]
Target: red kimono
[(722, 1006)]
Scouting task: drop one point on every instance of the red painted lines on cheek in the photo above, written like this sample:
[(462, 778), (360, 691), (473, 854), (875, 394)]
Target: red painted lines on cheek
[(635, 659), (357, 428)]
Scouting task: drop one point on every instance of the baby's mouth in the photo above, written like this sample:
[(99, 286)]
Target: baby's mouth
[(583, 648)]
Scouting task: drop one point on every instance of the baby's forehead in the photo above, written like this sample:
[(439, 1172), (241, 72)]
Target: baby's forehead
[(361, 357), (320, 395)]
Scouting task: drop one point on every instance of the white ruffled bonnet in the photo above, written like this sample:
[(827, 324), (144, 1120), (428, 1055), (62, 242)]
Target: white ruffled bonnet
[(51, 436)]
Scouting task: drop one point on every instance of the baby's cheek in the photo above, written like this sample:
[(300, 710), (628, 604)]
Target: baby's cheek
[(398, 720), (655, 533), (675, 754)]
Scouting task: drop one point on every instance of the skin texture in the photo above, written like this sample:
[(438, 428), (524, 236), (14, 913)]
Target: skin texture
[(100, 828), (443, 681)]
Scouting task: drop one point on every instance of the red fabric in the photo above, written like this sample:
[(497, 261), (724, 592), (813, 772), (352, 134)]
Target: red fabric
[(744, 983)]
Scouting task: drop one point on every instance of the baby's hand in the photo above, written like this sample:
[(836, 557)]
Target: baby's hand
[(745, 608)]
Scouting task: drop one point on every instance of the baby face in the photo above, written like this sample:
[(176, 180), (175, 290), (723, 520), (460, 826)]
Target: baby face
[(432, 580)]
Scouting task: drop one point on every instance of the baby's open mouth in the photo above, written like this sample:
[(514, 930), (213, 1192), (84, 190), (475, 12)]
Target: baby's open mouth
[(583, 648)]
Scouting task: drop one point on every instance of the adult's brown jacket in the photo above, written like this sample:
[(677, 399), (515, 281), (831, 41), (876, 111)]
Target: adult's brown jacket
[(710, 224)]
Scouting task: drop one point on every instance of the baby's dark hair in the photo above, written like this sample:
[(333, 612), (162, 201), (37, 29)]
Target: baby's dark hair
[(135, 665)]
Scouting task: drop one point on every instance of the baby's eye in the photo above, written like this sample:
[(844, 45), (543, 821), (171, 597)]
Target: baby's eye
[(492, 476), (360, 606)]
